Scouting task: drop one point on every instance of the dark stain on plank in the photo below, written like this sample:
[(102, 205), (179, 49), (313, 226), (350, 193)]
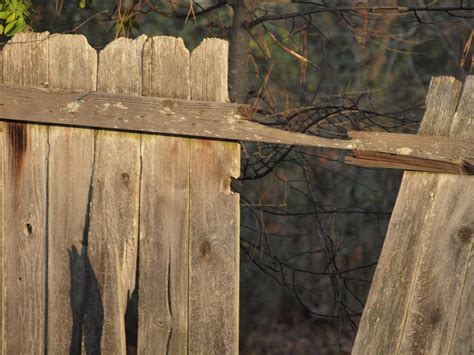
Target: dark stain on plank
[(17, 139)]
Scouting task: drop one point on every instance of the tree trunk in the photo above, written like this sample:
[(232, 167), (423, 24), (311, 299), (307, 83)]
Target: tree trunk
[(239, 53)]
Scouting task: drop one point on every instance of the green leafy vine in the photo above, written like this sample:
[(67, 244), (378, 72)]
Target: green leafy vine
[(13, 16)]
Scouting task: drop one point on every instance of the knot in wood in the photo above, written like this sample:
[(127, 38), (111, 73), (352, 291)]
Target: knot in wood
[(28, 229), (204, 248), (125, 177), (465, 234)]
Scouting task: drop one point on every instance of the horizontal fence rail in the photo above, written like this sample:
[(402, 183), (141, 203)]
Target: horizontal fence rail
[(229, 122)]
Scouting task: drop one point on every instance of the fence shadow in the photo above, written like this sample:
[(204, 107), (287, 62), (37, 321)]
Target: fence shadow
[(86, 304)]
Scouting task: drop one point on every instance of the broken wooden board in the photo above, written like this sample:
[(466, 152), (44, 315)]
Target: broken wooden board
[(226, 121)]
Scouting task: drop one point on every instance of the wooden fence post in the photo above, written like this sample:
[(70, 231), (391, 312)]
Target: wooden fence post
[(81, 205), (421, 300)]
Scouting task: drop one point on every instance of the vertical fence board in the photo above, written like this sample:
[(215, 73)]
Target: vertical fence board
[(114, 213), (383, 325), (25, 60), (25, 153), (163, 294), (463, 334), (72, 66), (446, 253), (214, 218)]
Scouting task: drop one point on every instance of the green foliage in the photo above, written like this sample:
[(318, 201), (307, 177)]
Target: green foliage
[(86, 3), (13, 16)]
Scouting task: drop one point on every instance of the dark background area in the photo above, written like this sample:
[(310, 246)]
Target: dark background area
[(311, 227)]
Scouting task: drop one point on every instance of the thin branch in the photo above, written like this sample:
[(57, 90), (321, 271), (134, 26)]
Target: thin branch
[(371, 9)]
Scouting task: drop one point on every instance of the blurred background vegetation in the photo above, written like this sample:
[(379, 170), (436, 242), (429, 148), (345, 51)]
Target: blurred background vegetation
[(312, 228)]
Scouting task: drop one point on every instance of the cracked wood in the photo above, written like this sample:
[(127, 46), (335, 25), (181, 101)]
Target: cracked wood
[(214, 218), (164, 210), (230, 122)]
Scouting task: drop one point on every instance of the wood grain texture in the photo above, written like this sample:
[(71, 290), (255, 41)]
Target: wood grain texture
[(164, 226), (214, 218), (446, 251), (369, 159), (25, 62), (72, 65), (166, 68), (114, 215), (113, 233), (226, 122), (461, 341), (385, 325)]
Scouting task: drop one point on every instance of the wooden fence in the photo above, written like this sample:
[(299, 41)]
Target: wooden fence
[(422, 296), (86, 210), (89, 204)]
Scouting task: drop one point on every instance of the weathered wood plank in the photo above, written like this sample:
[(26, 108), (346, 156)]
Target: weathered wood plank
[(113, 234), (381, 329), (72, 65), (114, 214), (441, 268), (445, 254), (25, 62), (119, 111), (224, 121), (461, 341), (368, 159), (382, 322), (214, 218), (164, 227)]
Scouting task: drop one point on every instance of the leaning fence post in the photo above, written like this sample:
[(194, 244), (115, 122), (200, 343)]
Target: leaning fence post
[(421, 296)]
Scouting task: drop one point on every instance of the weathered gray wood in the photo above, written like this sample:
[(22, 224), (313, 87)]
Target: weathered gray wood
[(121, 112), (446, 251), (72, 65), (113, 234), (412, 152), (214, 218), (164, 224), (114, 212), (25, 62), (226, 121), (388, 324), (461, 341)]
